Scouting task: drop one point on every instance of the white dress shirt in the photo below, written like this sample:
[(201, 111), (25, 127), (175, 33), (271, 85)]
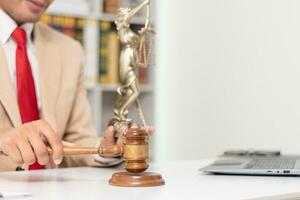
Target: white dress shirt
[(7, 27)]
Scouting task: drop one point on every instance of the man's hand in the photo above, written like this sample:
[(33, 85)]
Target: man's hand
[(110, 140), (28, 143)]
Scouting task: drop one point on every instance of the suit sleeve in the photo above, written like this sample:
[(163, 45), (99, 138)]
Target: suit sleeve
[(80, 130)]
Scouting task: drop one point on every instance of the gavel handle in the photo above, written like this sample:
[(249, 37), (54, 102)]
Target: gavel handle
[(115, 150)]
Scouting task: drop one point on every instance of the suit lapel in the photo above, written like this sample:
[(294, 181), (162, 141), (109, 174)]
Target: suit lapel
[(7, 94), (49, 61)]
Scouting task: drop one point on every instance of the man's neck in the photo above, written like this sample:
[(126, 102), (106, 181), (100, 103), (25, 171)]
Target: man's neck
[(8, 25), (18, 23)]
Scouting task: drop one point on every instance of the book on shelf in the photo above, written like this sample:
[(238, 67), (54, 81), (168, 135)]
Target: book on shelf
[(108, 54), (113, 57), (103, 50), (111, 6)]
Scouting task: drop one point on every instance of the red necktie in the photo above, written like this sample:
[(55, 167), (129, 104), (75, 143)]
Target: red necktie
[(27, 100)]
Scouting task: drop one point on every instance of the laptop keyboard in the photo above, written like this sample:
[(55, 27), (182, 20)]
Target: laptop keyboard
[(284, 163)]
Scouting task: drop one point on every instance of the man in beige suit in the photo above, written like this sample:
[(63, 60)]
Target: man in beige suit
[(57, 70)]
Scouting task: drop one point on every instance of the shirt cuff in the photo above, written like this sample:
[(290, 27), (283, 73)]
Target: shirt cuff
[(108, 161)]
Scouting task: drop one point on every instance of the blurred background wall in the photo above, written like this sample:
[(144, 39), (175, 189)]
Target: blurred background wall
[(227, 77)]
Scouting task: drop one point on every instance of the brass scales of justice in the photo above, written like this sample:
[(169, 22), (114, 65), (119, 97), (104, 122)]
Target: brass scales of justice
[(135, 52)]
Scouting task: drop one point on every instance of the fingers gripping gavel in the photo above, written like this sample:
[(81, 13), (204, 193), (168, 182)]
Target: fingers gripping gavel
[(134, 151)]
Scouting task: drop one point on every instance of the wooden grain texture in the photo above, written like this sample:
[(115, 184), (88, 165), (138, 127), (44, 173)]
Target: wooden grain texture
[(145, 179)]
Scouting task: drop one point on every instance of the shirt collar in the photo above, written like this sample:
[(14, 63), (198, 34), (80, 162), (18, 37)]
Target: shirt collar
[(8, 25)]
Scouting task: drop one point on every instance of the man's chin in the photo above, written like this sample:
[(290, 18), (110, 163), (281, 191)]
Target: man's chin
[(30, 19)]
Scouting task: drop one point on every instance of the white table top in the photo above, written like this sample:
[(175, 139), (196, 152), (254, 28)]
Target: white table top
[(183, 181)]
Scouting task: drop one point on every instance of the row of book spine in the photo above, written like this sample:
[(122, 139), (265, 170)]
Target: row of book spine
[(101, 45), (70, 26)]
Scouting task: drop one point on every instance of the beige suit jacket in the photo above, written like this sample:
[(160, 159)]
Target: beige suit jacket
[(64, 102)]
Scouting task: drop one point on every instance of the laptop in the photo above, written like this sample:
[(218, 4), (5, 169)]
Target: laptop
[(250, 162)]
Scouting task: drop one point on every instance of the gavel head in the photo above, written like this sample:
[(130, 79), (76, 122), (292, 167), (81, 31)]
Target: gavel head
[(135, 151)]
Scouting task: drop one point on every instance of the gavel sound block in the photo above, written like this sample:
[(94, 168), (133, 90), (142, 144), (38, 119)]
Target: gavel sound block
[(135, 154)]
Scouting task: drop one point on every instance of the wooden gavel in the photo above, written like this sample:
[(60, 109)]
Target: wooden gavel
[(134, 151), (135, 154)]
